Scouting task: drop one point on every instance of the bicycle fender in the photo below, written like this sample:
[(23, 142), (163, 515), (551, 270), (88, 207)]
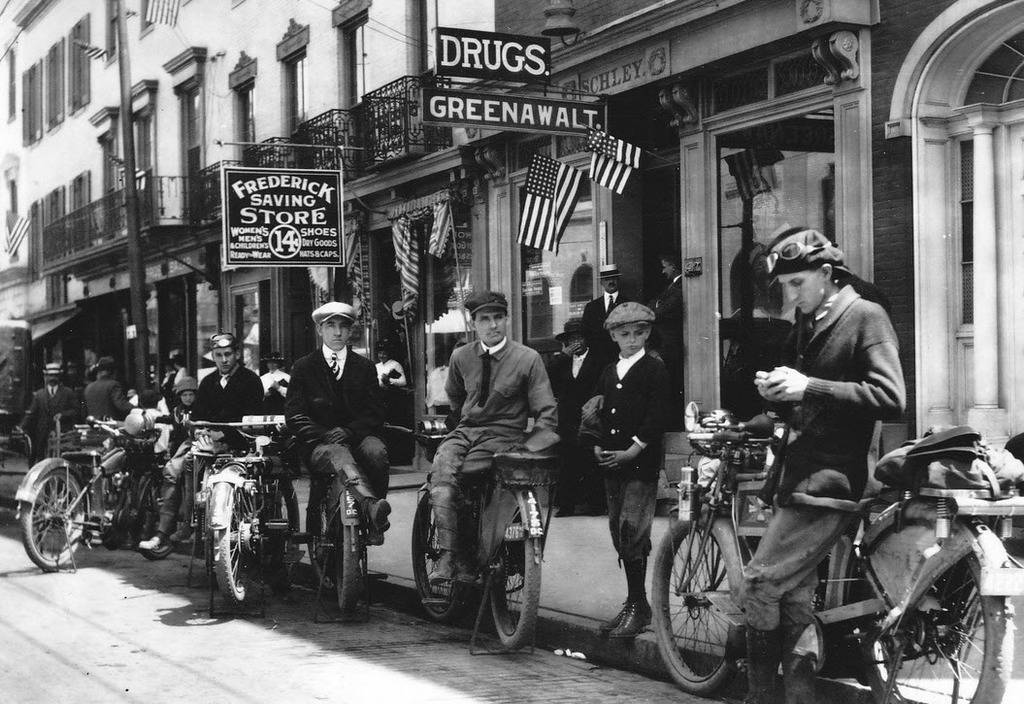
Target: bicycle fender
[(221, 497), (27, 490), (723, 530), (530, 510), (999, 575)]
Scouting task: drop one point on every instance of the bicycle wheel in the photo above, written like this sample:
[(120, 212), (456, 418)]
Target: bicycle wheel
[(148, 517), (51, 526), (229, 543), (953, 646), (515, 590), (689, 576), (350, 565), (442, 604)]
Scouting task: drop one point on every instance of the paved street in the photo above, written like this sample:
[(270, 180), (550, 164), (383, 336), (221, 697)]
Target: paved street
[(124, 629)]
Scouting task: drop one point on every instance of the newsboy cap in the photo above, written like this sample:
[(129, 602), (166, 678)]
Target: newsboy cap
[(572, 326), (486, 300), (628, 312), (186, 383), (802, 249), (609, 271), (334, 309)]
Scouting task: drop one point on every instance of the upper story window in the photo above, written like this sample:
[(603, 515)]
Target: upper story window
[(111, 43), (32, 103), (55, 85), (295, 91), (12, 86), (81, 190), (144, 23), (111, 162), (79, 65), (353, 59), (245, 112), (143, 140)]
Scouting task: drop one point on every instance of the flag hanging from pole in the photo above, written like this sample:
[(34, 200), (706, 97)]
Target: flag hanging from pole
[(440, 229), (612, 161), (745, 167), (551, 192), (93, 52), (163, 12), (407, 260), (16, 233)]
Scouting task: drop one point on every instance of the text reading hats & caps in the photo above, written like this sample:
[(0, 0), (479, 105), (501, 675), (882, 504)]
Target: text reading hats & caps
[(609, 271), (572, 326), (800, 249), (486, 300), (221, 340), (334, 309), (629, 312), (274, 357), (52, 369), (186, 383), (105, 363)]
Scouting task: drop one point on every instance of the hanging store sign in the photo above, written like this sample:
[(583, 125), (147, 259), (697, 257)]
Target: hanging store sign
[(281, 217), (450, 106), (467, 53)]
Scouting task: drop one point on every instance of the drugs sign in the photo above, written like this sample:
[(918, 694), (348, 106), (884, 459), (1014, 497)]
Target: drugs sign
[(469, 53), (281, 217)]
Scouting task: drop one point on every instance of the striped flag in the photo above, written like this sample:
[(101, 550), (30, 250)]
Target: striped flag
[(16, 233), (440, 229), (551, 192), (163, 12), (612, 161), (407, 260), (93, 52), (745, 167)]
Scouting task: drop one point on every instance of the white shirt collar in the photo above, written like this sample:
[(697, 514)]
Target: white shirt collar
[(679, 276), (493, 350), (328, 353), (624, 364)]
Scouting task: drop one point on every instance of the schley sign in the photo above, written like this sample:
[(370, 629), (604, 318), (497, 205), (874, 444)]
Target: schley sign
[(620, 71), (468, 53), (281, 217), (453, 106)]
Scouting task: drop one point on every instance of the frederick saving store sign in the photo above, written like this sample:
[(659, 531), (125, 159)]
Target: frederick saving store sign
[(281, 217)]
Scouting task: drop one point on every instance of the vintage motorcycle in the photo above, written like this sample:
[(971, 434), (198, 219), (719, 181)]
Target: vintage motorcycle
[(107, 491), (913, 600)]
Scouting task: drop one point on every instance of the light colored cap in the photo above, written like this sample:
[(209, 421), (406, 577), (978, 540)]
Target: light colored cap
[(609, 271), (333, 309), (52, 368), (629, 312)]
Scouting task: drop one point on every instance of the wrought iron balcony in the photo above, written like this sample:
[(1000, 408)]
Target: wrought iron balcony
[(204, 192), (273, 152), (393, 126), (334, 128)]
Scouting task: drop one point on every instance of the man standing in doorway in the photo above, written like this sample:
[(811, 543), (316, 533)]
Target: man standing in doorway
[(596, 312), (667, 339), (52, 401)]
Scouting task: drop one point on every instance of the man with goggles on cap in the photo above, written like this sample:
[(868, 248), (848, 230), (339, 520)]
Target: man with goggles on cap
[(336, 409), (845, 375), (225, 396), (495, 385)]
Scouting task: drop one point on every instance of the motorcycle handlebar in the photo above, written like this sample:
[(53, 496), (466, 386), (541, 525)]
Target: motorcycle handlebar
[(729, 436)]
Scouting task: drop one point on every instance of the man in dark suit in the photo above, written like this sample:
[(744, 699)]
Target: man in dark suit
[(104, 398), (574, 373), (595, 313), (48, 403), (667, 337), (336, 409)]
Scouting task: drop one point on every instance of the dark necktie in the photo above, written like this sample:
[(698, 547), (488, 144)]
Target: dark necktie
[(485, 379)]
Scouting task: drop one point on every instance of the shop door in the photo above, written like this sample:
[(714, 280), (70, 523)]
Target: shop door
[(251, 308)]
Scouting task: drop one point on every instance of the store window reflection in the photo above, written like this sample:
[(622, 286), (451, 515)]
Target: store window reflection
[(771, 177)]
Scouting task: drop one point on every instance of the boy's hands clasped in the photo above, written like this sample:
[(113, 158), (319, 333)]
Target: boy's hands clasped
[(781, 384), (613, 459)]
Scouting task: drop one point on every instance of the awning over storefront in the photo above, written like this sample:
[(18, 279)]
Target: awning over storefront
[(52, 323)]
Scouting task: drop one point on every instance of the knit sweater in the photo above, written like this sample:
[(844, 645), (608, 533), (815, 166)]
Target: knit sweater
[(855, 378)]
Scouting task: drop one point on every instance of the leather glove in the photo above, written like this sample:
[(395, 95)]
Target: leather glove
[(338, 436)]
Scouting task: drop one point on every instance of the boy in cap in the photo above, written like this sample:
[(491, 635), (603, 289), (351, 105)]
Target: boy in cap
[(335, 408), (48, 403), (494, 385), (845, 376), (631, 406), (596, 312)]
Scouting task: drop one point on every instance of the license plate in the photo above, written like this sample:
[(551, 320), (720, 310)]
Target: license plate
[(516, 531)]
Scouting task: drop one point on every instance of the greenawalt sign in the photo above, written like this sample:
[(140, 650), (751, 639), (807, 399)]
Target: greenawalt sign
[(281, 217), (498, 111)]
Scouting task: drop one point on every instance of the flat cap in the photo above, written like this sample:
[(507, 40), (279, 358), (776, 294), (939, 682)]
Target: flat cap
[(221, 340), (52, 368), (334, 309), (628, 312), (572, 326), (186, 383), (609, 271), (486, 300)]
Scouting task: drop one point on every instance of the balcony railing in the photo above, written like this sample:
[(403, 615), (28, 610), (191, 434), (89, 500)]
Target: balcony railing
[(273, 152), (204, 192), (394, 126), (334, 128)]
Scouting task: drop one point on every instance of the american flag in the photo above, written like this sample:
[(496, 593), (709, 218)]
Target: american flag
[(551, 192), (163, 12), (407, 260), (612, 161), (745, 167), (16, 233), (440, 229), (93, 52)]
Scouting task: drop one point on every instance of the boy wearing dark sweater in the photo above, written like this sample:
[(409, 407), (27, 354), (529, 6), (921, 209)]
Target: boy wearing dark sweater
[(626, 421)]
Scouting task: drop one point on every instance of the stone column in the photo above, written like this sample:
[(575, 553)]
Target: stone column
[(986, 340)]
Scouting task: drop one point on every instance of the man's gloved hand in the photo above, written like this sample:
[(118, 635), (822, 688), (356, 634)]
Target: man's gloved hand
[(337, 436)]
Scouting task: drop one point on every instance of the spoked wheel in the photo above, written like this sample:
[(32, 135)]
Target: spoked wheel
[(689, 576), (515, 589), (442, 603), (350, 564), (230, 543), (953, 646), (148, 517), (51, 526)]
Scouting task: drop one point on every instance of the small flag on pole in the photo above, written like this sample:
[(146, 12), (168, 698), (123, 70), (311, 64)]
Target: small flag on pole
[(16, 234), (441, 229), (612, 161), (93, 52), (745, 167), (551, 192), (163, 12), (407, 260)]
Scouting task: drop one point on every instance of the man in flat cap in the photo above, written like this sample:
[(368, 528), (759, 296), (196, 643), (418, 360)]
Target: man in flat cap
[(105, 397), (52, 401), (494, 385), (597, 310), (336, 410), (631, 407)]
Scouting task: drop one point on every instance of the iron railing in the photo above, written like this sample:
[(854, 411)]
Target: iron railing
[(334, 128), (273, 152), (204, 192), (394, 126)]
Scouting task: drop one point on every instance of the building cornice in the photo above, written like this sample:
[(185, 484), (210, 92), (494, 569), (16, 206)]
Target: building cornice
[(31, 11), (192, 55), (107, 114), (148, 85)]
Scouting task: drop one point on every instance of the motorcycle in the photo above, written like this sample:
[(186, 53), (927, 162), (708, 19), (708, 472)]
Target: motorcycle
[(103, 490), (913, 601)]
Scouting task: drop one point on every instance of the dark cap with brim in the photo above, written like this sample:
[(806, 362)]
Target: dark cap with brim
[(572, 326), (486, 300), (812, 250)]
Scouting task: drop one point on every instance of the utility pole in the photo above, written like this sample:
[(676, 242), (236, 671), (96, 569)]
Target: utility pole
[(136, 271)]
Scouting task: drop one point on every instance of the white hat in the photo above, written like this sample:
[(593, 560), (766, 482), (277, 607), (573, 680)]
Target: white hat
[(609, 271), (333, 309)]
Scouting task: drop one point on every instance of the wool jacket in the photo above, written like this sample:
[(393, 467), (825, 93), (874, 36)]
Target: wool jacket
[(572, 392), (855, 378), (104, 398), (242, 396), (38, 420)]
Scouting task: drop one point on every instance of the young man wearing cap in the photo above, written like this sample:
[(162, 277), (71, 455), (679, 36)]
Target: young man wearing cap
[(224, 396), (845, 375), (52, 401), (625, 422), (275, 384), (105, 398), (335, 408), (494, 386), (596, 312)]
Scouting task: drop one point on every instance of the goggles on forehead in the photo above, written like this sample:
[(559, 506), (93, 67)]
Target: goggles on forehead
[(222, 339), (790, 251)]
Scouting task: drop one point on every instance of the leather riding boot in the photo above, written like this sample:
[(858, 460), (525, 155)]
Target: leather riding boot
[(446, 530), (763, 655), (798, 665)]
